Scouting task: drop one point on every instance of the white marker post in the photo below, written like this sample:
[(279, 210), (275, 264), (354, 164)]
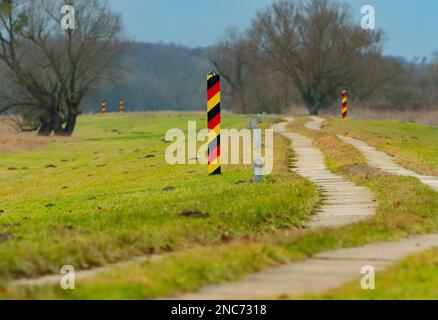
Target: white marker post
[(257, 156)]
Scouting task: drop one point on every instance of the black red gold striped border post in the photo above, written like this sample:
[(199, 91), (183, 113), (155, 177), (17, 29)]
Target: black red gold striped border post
[(214, 123), (103, 106), (344, 98), (121, 105)]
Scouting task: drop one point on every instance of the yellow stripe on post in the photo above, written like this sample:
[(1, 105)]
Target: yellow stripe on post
[(213, 102), (213, 168), (214, 133)]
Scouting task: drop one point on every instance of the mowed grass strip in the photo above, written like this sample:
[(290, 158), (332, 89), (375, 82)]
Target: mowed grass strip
[(414, 146), (405, 207), (108, 195)]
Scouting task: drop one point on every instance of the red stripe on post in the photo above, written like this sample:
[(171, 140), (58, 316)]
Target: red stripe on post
[(213, 91), (215, 122)]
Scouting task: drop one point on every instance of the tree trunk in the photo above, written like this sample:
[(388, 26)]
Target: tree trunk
[(45, 127), (71, 123), (313, 107), (57, 123), (314, 110)]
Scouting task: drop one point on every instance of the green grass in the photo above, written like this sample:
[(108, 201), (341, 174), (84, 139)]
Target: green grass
[(98, 198), (171, 274), (405, 207), (413, 145)]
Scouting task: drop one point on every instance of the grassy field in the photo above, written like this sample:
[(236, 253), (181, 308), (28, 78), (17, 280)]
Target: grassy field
[(413, 145), (405, 207), (108, 195)]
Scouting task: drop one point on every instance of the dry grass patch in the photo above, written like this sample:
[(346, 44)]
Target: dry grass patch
[(19, 142), (14, 141)]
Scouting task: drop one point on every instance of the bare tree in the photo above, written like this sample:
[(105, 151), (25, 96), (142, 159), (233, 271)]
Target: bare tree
[(254, 86), (230, 58), (18, 60), (315, 44), (58, 68)]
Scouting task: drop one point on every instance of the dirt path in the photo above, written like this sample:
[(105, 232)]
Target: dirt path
[(376, 158)]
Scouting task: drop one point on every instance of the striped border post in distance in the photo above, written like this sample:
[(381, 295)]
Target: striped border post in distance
[(344, 105), (121, 105), (103, 106), (214, 123)]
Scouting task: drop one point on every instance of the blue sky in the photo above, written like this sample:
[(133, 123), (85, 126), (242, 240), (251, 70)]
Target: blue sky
[(411, 26)]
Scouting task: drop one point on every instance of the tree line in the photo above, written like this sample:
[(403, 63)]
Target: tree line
[(307, 52), (295, 52), (156, 76)]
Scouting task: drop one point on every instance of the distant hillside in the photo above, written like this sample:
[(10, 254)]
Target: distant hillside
[(156, 77)]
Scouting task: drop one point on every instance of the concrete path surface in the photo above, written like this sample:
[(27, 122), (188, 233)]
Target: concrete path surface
[(324, 271), (344, 202), (376, 158)]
